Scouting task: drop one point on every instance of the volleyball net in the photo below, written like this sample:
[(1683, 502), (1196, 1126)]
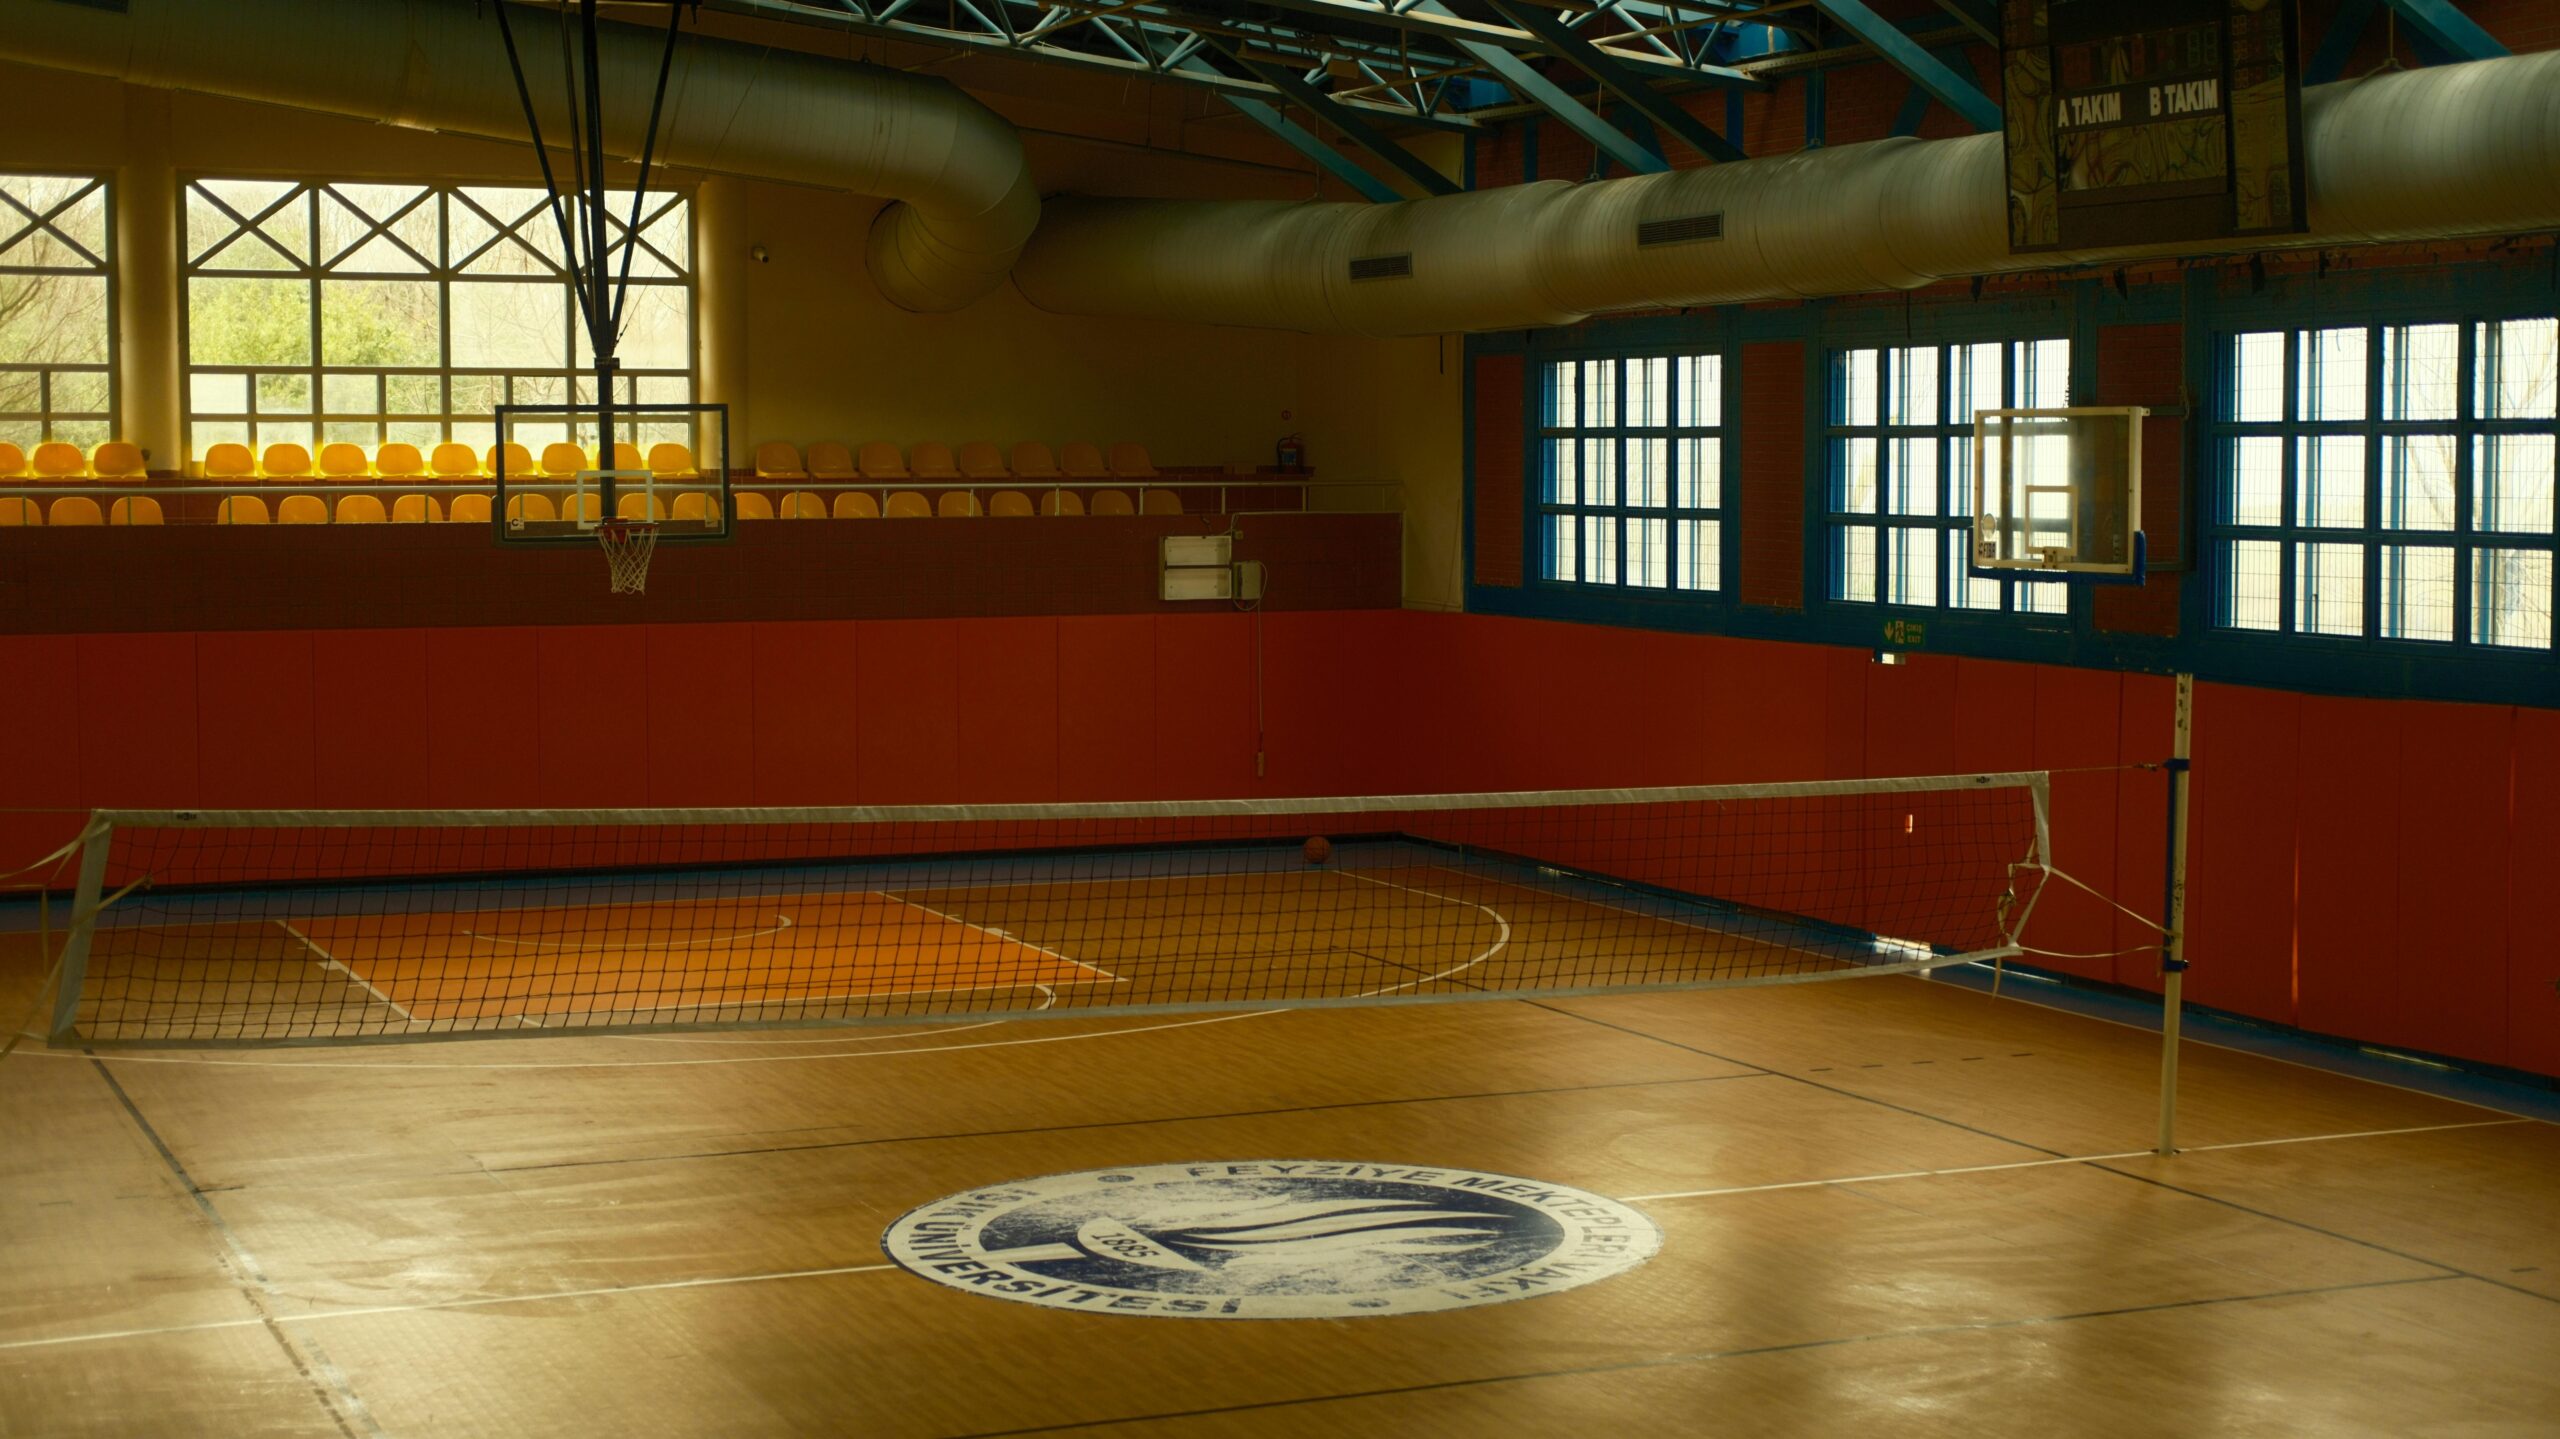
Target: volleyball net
[(272, 926)]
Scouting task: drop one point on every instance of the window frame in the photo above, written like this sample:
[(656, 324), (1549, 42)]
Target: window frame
[(45, 415), (1541, 511), (570, 383)]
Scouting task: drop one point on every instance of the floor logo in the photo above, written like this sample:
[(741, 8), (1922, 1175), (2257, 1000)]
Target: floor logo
[(1274, 1239)]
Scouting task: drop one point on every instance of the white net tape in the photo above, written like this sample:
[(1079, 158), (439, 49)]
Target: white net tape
[(627, 547)]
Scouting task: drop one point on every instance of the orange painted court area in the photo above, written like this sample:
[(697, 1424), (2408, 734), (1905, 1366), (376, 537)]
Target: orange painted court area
[(674, 954)]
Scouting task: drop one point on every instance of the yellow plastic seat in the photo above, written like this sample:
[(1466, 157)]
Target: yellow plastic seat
[(455, 461), (344, 463), (415, 510), (1061, 502), (561, 460), (908, 505), (779, 460), (361, 510), (396, 461), (804, 505), (830, 461), (1009, 504), (1111, 502), (13, 462), (117, 460), (981, 460), (586, 506), (695, 506), (671, 461), (1161, 502), (58, 462), (931, 460), (134, 510), (880, 460), (16, 511), (229, 461), (627, 457), (75, 510), (1081, 461), (525, 507), (519, 460), (241, 510), (957, 505), (1033, 461), (752, 506), (638, 505), (1129, 462), (287, 461), (468, 510), (856, 505), (302, 510)]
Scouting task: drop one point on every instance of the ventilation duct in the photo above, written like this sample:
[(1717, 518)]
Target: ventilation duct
[(2445, 152), (964, 201)]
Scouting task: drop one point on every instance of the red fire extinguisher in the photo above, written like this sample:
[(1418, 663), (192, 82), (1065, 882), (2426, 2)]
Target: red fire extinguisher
[(1292, 449)]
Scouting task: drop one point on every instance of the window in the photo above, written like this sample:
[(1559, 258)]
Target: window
[(1899, 521), (57, 342), (1631, 490), (2389, 482), (374, 312)]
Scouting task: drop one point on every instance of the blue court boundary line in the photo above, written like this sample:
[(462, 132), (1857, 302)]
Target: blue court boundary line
[(2510, 1091)]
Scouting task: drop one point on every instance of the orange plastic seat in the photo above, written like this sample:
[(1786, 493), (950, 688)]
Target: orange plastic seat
[(361, 510), (1161, 502), (527, 507), (13, 461), (695, 506), (455, 461), (981, 460), (1033, 461), (560, 460), (1061, 502), (302, 510), (57, 461), (957, 505), (1081, 461), (1129, 461), (75, 510), (880, 460), (1111, 502), (134, 510), (229, 461), (908, 505), (241, 510), (396, 461), (415, 510), (856, 505), (468, 510), (1009, 504), (287, 461), (344, 463), (671, 461), (117, 460), (752, 506), (16, 511), (804, 505), (519, 460), (638, 505), (830, 461), (931, 460), (778, 460)]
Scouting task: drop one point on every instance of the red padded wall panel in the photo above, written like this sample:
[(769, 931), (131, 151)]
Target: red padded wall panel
[(255, 712), (2533, 901), (806, 712), (1106, 706), (2443, 991), (1997, 703), (2349, 845), (1008, 681), (1204, 706), (484, 718), (2241, 850), (138, 725), (908, 738), (369, 745), (700, 715), (2142, 825), (2077, 714), (595, 715), (1761, 716), (1331, 689), (40, 731)]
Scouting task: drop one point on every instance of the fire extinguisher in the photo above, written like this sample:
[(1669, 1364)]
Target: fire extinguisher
[(1292, 449)]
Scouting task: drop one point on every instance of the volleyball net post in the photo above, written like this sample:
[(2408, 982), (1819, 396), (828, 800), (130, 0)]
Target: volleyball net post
[(2173, 918)]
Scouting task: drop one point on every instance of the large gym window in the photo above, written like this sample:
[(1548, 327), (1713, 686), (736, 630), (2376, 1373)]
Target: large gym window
[(57, 335), (2389, 482), (1899, 506), (367, 313), (1631, 484)]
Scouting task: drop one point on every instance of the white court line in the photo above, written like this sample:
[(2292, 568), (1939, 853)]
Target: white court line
[(1000, 934), (1500, 940), (330, 961), (539, 947), (2062, 1159)]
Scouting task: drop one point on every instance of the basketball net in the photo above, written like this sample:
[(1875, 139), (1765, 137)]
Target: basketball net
[(627, 547)]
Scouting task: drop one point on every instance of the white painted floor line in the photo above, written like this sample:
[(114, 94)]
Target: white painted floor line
[(648, 946), (437, 1306), (1500, 940), (2059, 1159), (1000, 934), (330, 961)]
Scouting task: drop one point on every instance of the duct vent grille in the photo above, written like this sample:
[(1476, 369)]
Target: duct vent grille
[(1681, 229), (1383, 267)]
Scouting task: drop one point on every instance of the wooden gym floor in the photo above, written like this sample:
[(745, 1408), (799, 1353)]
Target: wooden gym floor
[(1890, 1206)]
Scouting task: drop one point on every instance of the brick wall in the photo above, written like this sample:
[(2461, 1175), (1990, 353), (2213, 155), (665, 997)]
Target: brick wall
[(2143, 365), (1773, 469), (1500, 390)]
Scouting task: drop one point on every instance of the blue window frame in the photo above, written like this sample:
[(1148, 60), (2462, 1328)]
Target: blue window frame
[(2388, 483), (1631, 492), (1897, 526)]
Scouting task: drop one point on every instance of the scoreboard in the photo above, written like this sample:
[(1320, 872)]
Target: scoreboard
[(2134, 122)]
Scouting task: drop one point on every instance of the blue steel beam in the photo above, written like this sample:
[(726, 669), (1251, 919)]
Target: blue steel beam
[(1915, 105), (2444, 23), (1626, 84), (1515, 72), (2346, 27), (1353, 127), (1340, 166), (1927, 71)]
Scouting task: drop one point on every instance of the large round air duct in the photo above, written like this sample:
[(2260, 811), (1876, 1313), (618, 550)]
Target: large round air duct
[(965, 201), (2451, 151)]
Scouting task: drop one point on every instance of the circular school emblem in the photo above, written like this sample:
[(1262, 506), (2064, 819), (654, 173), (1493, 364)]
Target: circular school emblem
[(1270, 1239)]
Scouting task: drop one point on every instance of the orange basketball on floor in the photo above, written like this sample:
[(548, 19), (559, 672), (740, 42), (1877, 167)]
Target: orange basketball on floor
[(1319, 849)]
